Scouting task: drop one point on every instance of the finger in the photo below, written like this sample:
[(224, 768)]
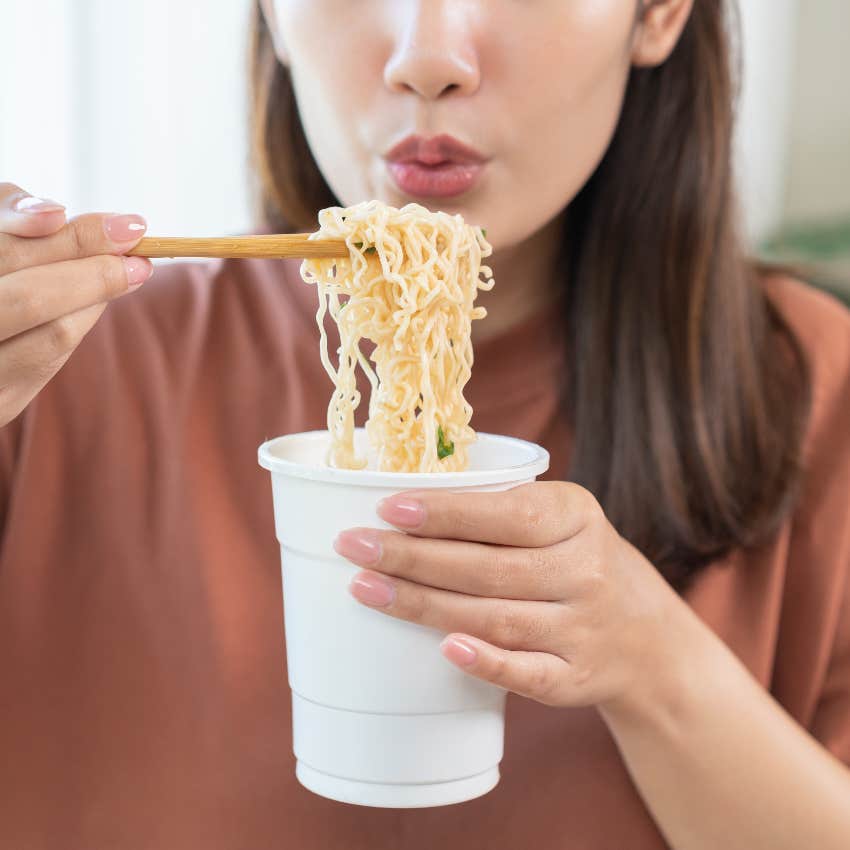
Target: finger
[(538, 514), (83, 236), (18, 389), (540, 676), (477, 569), (33, 297), (30, 359), (21, 214), (511, 623)]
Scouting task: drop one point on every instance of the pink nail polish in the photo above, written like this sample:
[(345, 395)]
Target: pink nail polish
[(124, 228), (373, 589), (402, 511), (138, 270), (458, 651), (34, 206), (359, 545)]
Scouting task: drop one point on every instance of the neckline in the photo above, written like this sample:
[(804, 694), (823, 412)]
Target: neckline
[(525, 355)]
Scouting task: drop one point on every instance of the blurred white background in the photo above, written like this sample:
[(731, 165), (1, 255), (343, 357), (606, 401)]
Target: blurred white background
[(129, 107), (141, 107)]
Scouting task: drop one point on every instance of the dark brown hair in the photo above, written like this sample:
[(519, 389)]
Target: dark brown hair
[(686, 391)]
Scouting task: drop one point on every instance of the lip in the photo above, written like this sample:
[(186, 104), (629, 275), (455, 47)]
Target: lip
[(439, 167)]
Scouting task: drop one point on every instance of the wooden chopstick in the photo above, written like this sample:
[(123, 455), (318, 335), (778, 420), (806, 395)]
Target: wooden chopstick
[(279, 245)]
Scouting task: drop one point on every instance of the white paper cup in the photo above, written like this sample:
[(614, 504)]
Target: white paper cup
[(380, 717)]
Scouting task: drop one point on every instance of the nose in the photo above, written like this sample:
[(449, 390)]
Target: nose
[(435, 53)]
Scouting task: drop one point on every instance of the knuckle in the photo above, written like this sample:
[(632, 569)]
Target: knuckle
[(63, 336), (12, 254), (460, 517), (589, 506), (563, 621), (414, 605), (499, 669), (542, 682), (513, 628), (588, 570), (75, 233), (110, 275), (406, 556), (561, 496), (582, 677), (499, 625), (596, 578), (457, 521), (530, 512), (502, 568), (539, 630), (544, 568), (533, 517), (510, 567)]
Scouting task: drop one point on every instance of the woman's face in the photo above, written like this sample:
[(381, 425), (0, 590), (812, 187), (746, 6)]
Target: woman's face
[(497, 109)]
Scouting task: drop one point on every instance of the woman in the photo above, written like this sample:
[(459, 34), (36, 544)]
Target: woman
[(678, 641)]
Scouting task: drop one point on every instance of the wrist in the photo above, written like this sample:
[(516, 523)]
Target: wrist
[(672, 675)]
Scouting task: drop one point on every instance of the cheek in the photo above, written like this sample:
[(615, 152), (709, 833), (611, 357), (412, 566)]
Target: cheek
[(333, 86), (330, 112), (566, 87)]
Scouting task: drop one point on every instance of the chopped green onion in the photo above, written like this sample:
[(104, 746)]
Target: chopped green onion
[(483, 232), (444, 449)]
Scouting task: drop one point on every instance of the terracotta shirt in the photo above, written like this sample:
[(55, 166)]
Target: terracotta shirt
[(143, 691)]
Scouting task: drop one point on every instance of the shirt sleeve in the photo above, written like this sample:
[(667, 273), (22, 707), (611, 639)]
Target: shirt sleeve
[(830, 526), (831, 723), (817, 645)]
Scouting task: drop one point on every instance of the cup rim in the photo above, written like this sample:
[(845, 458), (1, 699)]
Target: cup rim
[(528, 469)]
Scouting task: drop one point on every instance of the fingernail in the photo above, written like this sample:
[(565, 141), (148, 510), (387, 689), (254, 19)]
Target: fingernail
[(124, 228), (361, 546), (402, 511), (373, 589), (33, 206), (138, 269), (458, 651)]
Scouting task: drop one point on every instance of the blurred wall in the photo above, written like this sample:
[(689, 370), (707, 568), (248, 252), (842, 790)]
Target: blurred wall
[(132, 107), (765, 110), (818, 184)]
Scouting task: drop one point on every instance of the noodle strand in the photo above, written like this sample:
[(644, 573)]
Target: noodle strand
[(409, 285)]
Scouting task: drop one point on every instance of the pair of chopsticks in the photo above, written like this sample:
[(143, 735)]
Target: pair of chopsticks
[(276, 246)]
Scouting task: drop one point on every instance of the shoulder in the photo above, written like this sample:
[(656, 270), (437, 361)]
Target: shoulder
[(819, 525), (816, 610), (820, 324)]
